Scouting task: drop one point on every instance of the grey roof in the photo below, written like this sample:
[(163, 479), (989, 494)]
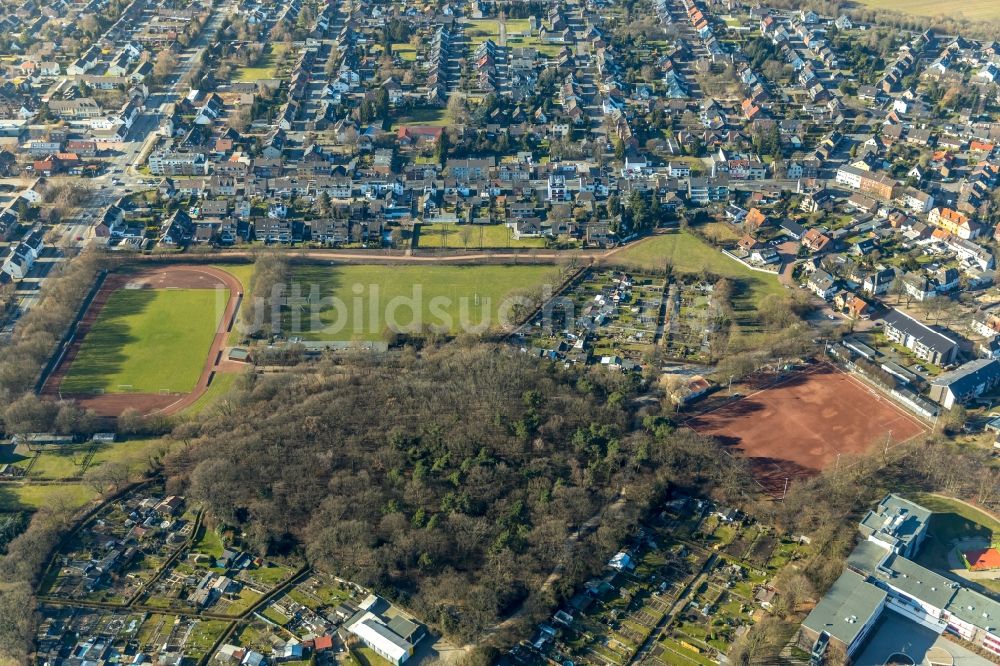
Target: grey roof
[(976, 609), (917, 581), (846, 608), (403, 627), (866, 557), (895, 520), (387, 634), (925, 334), (965, 378)]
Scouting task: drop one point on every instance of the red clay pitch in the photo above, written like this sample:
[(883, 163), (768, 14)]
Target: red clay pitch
[(177, 277), (800, 425), (986, 559)]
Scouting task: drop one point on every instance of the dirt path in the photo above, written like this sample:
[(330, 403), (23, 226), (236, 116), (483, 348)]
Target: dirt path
[(175, 276)]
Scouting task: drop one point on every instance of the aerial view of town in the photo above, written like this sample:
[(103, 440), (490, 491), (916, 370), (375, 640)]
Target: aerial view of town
[(516, 332)]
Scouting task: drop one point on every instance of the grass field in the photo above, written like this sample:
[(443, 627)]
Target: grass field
[(478, 31), (429, 116), (367, 657), (405, 51), (243, 273), (149, 340), (71, 496), (266, 66), (68, 462), (216, 391), (62, 463), (136, 453), (543, 48), (472, 237), (358, 301), (972, 10)]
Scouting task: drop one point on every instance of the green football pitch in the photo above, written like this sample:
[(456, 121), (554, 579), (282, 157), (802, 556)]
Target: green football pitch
[(359, 302), (147, 341)]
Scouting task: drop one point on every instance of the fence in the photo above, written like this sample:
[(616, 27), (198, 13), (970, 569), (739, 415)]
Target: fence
[(67, 338), (911, 401)]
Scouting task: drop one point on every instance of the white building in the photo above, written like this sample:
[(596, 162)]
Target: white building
[(375, 634)]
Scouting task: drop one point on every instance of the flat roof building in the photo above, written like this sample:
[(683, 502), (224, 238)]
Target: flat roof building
[(896, 524), (846, 613), (880, 576)]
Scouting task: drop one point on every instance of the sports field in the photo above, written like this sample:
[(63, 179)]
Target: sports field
[(360, 302), (971, 10), (806, 423), (147, 341)]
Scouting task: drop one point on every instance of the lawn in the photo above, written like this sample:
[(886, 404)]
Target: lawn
[(136, 453), (953, 519), (209, 542), (359, 302), (71, 496), (971, 10), (430, 116), (63, 463), (243, 273), (406, 52), (214, 393), (266, 66), (367, 657), (274, 616), (203, 636), (471, 236), (543, 48), (517, 25), (480, 30), (147, 340)]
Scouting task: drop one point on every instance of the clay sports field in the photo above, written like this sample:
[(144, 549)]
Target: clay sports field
[(799, 425), (151, 339)]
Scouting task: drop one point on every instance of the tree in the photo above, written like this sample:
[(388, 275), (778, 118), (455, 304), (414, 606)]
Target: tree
[(955, 419), (107, 477), (619, 147), (441, 150), (323, 203), (165, 64), (30, 413), (90, 25), (381, 104)]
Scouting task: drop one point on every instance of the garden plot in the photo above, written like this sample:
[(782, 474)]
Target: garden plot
[(694, 320), (120, 550), (215, 574), (608, 317)]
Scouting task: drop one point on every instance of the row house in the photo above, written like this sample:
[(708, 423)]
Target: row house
[(955, 223)]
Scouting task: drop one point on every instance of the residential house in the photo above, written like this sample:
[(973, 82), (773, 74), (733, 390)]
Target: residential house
[(925, 342), (955, 223), (822, 284), (966, 382), (815, 241)]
